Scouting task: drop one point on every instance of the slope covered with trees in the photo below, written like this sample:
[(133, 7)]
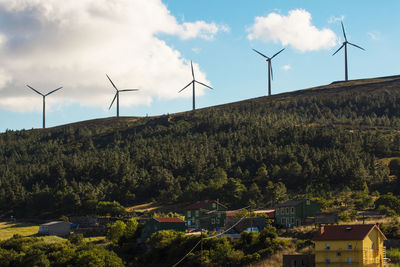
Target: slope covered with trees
[(313, 142)]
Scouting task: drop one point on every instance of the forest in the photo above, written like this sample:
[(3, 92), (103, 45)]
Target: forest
[(261, 151)]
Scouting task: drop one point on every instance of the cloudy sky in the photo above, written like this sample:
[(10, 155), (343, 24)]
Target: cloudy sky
[(149, 44)]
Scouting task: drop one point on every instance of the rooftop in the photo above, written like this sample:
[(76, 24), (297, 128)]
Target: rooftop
[(169, 220), (201, 204), (53, 223), (345, 232)]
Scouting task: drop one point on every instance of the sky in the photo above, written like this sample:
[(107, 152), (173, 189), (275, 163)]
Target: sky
[(148, 45)]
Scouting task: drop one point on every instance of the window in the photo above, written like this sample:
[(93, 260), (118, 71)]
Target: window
[(214, 205), (338, 254), (287, 210), (283, 221), (292, 220), (308, 202), (349, 260), (212, 221), (189, 213), (328, 260), (197, 213), (349, 246), (277, 211), (292, 210), (327, 246), (219, 214), (373, 246)]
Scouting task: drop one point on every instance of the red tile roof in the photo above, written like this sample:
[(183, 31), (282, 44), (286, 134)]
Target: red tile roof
[(345, 232), (169, 220)]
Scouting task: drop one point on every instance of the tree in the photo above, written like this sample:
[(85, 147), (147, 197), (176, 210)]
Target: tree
[(116, 231), (110, 208)]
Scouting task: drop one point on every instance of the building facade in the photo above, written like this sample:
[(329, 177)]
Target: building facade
[(163, 223), (294, 212), (57, 228), (355, 245), (206, 214)]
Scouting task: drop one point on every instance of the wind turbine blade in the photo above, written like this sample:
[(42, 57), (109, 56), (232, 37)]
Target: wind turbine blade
[(191, 64), (204, 85), (185, 86), (357, 46), (277, 53), (53, 91), (35, 90), (344, 33), (112, 82), (338, 49), (260, 54), (128, 90), (113, 101)]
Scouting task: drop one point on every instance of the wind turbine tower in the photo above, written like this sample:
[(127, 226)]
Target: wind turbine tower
[(270, 72), (117, 94), (44, 102), (193, 82), (344, 44)]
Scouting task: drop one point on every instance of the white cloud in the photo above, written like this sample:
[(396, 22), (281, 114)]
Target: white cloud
[(334, 19), (374, 35), (52, 43), (295, 29), (286, 67)]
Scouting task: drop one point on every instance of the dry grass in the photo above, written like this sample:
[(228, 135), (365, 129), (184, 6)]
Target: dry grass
[(8, 229), (155, 207)]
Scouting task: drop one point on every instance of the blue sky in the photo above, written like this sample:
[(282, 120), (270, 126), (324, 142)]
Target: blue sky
[(152, 52)]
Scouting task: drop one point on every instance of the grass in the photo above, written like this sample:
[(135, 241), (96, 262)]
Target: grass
[(394, 255), (8, 229), (95, 239)]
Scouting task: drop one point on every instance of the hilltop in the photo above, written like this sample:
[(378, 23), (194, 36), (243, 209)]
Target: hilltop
[(312, 142)]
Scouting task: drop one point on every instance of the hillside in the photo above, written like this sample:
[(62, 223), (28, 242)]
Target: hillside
[(310, 142)]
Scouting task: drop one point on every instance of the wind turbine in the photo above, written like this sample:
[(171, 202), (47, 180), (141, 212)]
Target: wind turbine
[(345, 43), (270, 72), (117, 94), (44, 102), (193, 82)]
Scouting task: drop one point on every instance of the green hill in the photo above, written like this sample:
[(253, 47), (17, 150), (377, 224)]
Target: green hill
[(311, 142)]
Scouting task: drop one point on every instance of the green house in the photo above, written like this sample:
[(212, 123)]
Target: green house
[(163, 223), (206, 214), (294, 212)]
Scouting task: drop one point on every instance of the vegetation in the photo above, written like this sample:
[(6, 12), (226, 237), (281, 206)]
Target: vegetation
[(8, 229), (315, 144), (34, 251)]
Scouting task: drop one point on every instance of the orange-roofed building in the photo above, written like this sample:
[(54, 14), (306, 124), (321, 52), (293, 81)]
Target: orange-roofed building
[(355, 245)]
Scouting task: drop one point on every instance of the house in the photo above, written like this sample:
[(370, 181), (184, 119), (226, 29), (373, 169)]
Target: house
[(295, 212), (326, 218), (163, 223), (299, 260), (358, 245), (57, 228), (207, 214)]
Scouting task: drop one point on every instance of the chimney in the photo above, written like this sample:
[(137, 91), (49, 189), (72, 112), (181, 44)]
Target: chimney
[(321, 230)]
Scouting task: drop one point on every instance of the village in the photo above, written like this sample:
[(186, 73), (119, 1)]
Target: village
[(333, 243)]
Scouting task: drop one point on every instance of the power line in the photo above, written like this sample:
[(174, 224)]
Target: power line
[(201, 240)]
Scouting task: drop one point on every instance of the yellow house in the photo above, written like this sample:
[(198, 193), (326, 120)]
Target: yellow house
[(344, 245)]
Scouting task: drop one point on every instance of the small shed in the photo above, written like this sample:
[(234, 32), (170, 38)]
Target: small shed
[(299, 260), (57, 228), (326, 218)]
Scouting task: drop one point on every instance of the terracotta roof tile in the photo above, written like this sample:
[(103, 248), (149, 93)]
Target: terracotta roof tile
[(169, 219), (344, 232)]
